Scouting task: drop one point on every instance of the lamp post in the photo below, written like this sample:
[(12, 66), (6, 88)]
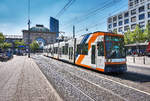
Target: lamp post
[(28, 28)]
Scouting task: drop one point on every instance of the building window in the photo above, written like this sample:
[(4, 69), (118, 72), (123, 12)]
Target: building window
[(141, 0), (133, 11), (120, 17), (141, 16), (148, 14), (110, 26), (136, 1), (120, 29), (115, 18), (126, 14), (148, 6), (115, 24), (109, 20), (141, 9), (126, 28), (133, 19), (131, 4), (142, 24), (120, 23), (148, 21), (126, 21), (133, 26)]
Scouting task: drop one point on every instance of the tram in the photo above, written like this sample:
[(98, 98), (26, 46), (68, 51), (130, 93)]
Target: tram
[(102, 51)]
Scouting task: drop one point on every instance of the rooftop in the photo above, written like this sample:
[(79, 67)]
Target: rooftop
[(39, 28)]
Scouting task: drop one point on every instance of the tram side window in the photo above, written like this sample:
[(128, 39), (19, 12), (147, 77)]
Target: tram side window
[(66, 50), (78, 49), (55, 50), (85, 49), (100, 47), (82, 49), (63, 50)]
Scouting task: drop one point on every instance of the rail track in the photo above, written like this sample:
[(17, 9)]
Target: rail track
[(81, 84)]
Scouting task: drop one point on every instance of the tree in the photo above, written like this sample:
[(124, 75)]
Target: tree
[(138, 35), (127, 37), (147, 32), (2, 38), (7, 45), (18, 43), (34, 46)]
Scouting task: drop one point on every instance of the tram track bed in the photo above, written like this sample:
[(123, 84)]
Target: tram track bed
[(78, 84)]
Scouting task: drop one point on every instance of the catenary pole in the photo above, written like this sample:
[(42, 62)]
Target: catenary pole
[(28, 28), (74, 44)]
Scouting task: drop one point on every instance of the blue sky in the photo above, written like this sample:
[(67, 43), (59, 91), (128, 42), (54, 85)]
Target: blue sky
[(13, 14)]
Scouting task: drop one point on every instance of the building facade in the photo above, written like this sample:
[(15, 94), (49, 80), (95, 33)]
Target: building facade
[(11, 39), (138, 13), (54, 26), (41, 34)]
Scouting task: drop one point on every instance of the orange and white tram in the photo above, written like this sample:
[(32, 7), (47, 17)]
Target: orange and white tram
[(102, 51)]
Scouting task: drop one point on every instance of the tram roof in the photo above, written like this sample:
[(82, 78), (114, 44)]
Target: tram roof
[(104, 33)]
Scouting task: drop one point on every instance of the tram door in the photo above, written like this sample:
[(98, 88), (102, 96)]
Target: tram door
[(100, 55), (93, 55), (70, 53)]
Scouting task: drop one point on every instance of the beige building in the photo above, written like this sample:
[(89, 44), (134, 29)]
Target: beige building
[(40, 34)]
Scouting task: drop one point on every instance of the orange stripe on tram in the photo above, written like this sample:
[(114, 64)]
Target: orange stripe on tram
[(92, 39)]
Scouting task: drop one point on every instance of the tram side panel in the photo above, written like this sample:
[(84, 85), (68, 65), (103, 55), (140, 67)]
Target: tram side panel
[(88, 55), (63, 55)]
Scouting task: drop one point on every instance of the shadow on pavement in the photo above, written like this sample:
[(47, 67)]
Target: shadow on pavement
[(132, 76)]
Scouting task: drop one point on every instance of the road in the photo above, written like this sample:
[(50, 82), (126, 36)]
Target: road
[(75, 83), (22, 80)]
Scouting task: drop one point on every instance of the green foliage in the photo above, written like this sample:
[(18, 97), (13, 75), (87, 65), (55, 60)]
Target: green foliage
[(34, 46), (137, 36), (115, 31), (2, 38), (7, 45), (127, 38), (18, 43), (147, 32)]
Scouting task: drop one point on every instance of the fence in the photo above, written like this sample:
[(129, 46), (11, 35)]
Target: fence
[(138, 60)]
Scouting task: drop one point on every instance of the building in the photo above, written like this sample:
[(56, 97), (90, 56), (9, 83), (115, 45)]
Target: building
[(40, 34), (54, 26), (12, 38), (138, 13)]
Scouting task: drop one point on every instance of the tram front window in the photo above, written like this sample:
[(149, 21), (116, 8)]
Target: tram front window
[(114, 47)]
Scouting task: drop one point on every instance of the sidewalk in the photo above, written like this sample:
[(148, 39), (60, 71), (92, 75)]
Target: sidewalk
[(138, 65), (22, 80)]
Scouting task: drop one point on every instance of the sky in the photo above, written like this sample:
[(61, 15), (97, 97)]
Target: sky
[(87, 15)]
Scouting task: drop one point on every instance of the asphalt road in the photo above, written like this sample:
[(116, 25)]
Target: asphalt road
[(75, 83)]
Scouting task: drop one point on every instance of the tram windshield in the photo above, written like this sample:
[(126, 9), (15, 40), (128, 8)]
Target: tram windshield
[(114, 47)]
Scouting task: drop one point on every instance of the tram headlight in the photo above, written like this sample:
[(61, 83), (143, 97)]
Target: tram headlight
[(108, 60)]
